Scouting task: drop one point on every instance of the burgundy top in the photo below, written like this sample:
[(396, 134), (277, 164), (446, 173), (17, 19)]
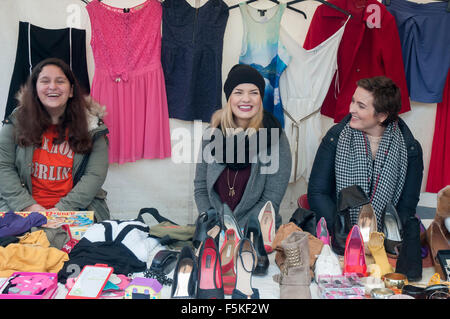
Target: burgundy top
[(226, 180)]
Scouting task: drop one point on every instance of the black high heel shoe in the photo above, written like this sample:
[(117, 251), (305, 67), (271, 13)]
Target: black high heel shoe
[(246, 260), (253, 232), (393, 230), (208, 224), (184, 283)]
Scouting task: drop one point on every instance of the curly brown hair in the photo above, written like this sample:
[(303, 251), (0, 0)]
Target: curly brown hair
[(33, 119)]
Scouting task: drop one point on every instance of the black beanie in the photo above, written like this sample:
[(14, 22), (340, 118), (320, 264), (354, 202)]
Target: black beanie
[(241, 73)]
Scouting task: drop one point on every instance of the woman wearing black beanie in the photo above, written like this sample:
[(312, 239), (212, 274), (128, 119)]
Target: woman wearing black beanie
[(248, 171)]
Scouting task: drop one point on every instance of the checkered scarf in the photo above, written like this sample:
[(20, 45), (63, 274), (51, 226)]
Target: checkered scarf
[(381, 179)]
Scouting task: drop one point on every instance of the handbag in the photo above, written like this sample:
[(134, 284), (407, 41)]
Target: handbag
[(168, 233), (349, 197)]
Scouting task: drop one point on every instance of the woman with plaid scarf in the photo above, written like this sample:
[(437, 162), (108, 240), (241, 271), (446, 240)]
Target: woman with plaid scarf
[(373, 148)]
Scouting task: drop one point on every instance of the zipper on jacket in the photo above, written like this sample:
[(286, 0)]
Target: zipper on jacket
[(197, 3)]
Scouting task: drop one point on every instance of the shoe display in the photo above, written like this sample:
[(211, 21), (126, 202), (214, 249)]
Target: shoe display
[(392, 229), (376, 247), (227, 261), (322, 231), (184, 283), (354, 257), (367, 223), (266, 218), (327, 263), (253, 232), (294, 277), (245, 262), (210, 285)]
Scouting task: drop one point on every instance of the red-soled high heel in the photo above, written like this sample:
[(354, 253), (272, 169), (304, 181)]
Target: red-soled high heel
[(227, 260), (209, 272), (354, 257)]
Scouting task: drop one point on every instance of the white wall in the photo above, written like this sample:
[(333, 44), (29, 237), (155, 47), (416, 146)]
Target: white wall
[(162, 183)]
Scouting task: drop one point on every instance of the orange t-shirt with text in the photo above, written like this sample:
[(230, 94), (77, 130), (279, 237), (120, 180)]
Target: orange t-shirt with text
[(51, 174)]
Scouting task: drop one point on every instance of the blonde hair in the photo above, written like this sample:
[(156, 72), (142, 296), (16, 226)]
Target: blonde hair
[(224, 119)]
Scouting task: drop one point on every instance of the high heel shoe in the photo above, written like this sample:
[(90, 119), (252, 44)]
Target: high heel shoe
[(210, 285), (392, 229), (227, 261), (229, 222), (206, 225), (322, 231), (354, 257), (367, 223), (184, 283), (253, 232), (266, 218), (376, 247), (246, 260)]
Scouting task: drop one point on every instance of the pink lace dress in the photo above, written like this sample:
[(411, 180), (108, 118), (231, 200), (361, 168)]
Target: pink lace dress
[(129, 79)]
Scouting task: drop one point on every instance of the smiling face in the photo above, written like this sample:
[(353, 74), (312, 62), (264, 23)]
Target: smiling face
[(363, 113), (245, 102), (53, 89)]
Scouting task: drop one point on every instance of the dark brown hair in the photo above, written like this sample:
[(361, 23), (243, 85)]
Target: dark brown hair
[(33, 119), (386, 96)]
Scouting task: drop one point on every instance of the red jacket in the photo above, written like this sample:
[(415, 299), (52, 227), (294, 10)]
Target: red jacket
[(363, 52)]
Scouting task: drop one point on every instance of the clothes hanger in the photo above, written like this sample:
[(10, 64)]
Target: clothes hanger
[(275, 1), (327, 4)]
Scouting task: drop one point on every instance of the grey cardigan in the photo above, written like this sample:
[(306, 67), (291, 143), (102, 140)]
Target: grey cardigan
[(260, 187), (87, 194)]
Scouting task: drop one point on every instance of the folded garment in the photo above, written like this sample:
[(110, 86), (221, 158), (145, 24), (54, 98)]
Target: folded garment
[(12, 224), (5, 241), (122, 245), (32, 254)]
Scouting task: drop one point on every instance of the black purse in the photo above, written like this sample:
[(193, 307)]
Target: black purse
[(349, 197), (305, 219)]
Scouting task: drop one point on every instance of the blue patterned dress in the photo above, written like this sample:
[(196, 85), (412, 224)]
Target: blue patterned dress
[(263, 50)]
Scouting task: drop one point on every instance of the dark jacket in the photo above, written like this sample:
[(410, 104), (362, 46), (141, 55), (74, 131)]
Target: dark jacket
[(260, 187), (322, 182)]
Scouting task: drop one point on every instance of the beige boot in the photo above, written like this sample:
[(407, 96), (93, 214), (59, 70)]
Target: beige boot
[(295, 276), (443, 209)]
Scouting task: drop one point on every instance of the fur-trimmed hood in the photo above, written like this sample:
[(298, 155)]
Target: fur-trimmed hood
[(95, 113)]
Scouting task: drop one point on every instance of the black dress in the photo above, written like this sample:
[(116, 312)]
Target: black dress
[(36, 44), (191, 56)]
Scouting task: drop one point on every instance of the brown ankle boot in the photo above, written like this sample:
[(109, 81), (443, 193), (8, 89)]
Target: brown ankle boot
[(295, 276), (437, 241)]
